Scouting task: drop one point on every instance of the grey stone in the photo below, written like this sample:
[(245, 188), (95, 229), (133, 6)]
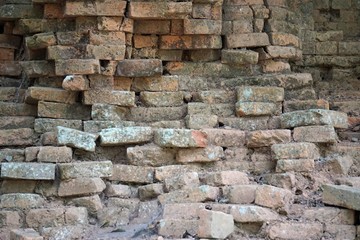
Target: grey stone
[(342, 196), (182, 138), (101, 169), (31, 171), (126, 135), (21, 200), (78, 139)]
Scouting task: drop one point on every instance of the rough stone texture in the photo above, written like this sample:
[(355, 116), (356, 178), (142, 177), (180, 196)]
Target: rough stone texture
[(246, 109), (120, 98), (296, 165), (240, 194), (330, 215), (132, 174), (207, 154), (150, 155), (139, 68), (21, 200), (182, 138), (175, 228), (225, 137), (126, 135), (268, 138), (78, 139), (85, 170), (245, 214), (317, 134), (213, 224), (26, 234), (54, 154), (343, 196), (272, 197), (43, 125), (198, 194), (295, 151), (81, 186), (107, 112), (295, 231), (17, 137), (92, 204), (31, 171), (182, 181), (226, 178), (260, 94), (314, 117)]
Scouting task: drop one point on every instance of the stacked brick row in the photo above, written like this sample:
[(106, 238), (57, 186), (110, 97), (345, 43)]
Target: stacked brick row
[(139, 114)]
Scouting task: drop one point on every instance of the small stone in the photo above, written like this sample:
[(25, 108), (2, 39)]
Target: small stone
[(75, 83), (78, 139), (214, 224), (92, 204)]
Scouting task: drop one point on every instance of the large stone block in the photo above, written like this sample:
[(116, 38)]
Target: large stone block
[(342, 196), (246, 40), (182, 138), (295, 151), (75, 138), (81, 186), (314, 117), (139, 68), (244, 109), (17, 137), (126, 135), (268, 137), (101, 169), (43, 125), (207, 154), (31, 171), (330, 215), (214, 224), (260, 94), (273, 197)]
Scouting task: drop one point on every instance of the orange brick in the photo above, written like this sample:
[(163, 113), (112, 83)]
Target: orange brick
[(122, 83), (191, 42), (177, 27), (145, 41), (53, 11), (6, 54)]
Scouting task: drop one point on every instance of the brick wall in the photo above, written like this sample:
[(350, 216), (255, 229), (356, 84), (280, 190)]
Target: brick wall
[(123, 119)]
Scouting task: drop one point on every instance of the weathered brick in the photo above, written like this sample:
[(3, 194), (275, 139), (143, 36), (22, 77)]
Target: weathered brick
[(106, 52), (107, 112), (239, 57), (152, 114), (245, 214), (342, 196), (53, 10), (97, 126), (63, 110), (330, 215), (141, 41), (77, 66), (21, 200), (199, 121), (207, 154), (296, 165), (182, 181), (103, 8), (159, 10), (340, 231), (26, 234), (139, 68), (54, 154), (246, 40), (38, 68), (17, 109), (126, 135), (237, 12), (162, 99), (175, 228), (15, 11), (166, 172), (20, 137), (214, 224), (45, 217), (31, 171), (9, 219), (104, 38), (274, 66), (35, 94), (43, 125), (101, 169), (348, 48), (75, 138), (268, 138), (314, 117), (225, 178), (76, 215), (326, 48), (150, 155), (120, 98), (150, 191), (284, 52), (132, 174), (256, 108), (152, 27), (180, 138), (240, 194), (321, 134), (118, 190), (40, 40), (202, 26), (187, 42), (163, 83), (81, 186), (246, 123), (198, 194), (296, 230), (109, 23), (16, 122), (272, 197), (295, 151)]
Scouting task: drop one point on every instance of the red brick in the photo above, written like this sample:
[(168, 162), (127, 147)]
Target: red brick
[(109, 23), (35, 94), (20, 137), (7, 54), (109, 38), (53, 11), (141, 41), (106, 52)]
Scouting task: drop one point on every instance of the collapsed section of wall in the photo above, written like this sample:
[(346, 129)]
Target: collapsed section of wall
[(143, 119)]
